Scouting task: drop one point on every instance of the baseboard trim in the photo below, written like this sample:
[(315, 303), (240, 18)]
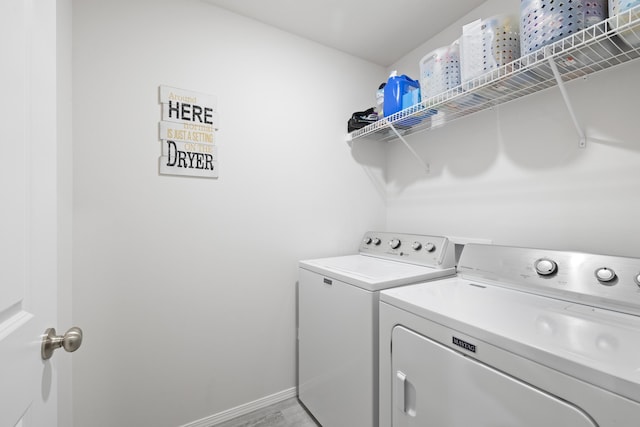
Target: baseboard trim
[(244, 409)]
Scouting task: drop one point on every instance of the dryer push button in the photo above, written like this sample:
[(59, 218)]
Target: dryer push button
[(545, 267), (605, 274)]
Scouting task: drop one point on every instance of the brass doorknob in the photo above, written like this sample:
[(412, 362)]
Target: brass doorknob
[(70, 341)]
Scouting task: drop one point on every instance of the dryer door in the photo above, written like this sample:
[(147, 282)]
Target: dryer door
[(434, 385)]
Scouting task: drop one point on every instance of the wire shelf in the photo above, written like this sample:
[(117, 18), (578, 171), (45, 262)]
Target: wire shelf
[(591, 50)]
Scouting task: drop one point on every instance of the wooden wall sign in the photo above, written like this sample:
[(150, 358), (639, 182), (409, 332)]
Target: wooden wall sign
[(187, 133)]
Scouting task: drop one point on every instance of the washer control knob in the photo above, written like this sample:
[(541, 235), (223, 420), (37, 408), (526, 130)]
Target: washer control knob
[(416, 246), (429, 247), (637, 279), (545, 267), (376, 241), (394, 243), (368, 240), (605, 274)]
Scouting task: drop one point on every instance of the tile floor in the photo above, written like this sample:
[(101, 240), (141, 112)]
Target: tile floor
[(288, 413)]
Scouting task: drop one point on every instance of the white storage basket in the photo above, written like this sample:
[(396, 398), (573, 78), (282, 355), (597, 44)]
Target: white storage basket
[(440, 70), (488, 44), (631, 36), (543, 22)]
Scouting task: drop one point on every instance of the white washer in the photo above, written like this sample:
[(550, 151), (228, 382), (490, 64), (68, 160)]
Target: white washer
[(519, 338), (338, 301)]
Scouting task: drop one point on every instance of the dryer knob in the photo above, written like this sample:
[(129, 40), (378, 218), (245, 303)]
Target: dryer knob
[(605, 274), (416, 246), (376, 241), (429, 247), (545, 267), (394, 243), (368, 240)]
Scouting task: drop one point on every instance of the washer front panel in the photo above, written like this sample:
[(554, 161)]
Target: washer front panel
[(336, 364)]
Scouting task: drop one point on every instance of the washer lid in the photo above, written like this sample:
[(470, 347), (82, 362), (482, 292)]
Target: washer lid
[(601, 347), (371, 273)]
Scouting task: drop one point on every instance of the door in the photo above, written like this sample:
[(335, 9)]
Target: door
[(28, 221), (434, 385)]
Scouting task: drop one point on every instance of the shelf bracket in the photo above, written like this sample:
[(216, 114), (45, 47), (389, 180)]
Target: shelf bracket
[(425, 166), (567, 101)]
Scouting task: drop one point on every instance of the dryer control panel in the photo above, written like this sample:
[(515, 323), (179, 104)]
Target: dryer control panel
[(419, 249), (597, 280)]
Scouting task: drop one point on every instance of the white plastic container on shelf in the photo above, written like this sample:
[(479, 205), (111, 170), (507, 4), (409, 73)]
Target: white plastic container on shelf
[(546, 21), (487, 44), (630, 36), (440, 70)]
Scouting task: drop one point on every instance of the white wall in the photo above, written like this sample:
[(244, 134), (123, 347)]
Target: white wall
[(515, 174), (185, 287)]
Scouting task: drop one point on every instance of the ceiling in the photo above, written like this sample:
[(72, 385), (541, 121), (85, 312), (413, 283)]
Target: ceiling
[(380, 31)]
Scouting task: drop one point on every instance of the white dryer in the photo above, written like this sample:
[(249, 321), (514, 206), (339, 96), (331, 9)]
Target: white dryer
[(519, 338), (338, 301)]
